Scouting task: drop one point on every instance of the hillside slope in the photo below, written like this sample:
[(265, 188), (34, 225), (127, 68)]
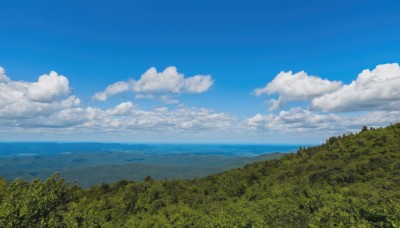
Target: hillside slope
[(351, 180)]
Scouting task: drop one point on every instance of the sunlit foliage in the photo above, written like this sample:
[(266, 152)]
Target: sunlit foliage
[(350, 180)]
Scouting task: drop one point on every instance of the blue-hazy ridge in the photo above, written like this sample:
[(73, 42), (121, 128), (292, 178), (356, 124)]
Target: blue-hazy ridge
[(94, 163)]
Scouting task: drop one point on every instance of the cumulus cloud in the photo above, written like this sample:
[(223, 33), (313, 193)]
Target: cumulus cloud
[(372, 99), (296, 119), (153, 82), (372, 90), (126, 117), (47, 105), (49, 87), (20, 99), (197, 84), (168, 99), (373, 119), (120, 110), (296, 87), (160, 119), (3, 76), (118, 87), (318, 124)]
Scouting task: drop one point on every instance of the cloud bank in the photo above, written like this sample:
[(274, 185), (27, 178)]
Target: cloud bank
[(378, 89), (372, 99), (296, 87), (47, 105), (299, 120), (372, 90), (20, 99)]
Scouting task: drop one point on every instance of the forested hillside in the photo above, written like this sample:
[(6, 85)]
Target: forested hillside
[(351, 180)]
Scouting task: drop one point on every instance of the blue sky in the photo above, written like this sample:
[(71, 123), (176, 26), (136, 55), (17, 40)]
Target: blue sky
[(240, 45)]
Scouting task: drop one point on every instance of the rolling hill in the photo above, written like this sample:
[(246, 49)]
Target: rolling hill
[(350, 180)]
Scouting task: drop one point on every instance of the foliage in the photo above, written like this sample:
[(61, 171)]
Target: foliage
[(350, 180)]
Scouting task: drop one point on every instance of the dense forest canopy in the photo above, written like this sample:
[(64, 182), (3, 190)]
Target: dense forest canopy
[(350, 180)]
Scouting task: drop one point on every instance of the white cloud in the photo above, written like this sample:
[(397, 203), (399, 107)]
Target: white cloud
[(296, 119), (122, 109), (145, 96), (276, 103), (296, 87), (46, 106), (378, 89), (49, 87), (168, 99), (198, 84), (373, 119), (20, 99), (3, 76), (153, 82), (118, 87), (317, 124), (125, 117), (375, 92)]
